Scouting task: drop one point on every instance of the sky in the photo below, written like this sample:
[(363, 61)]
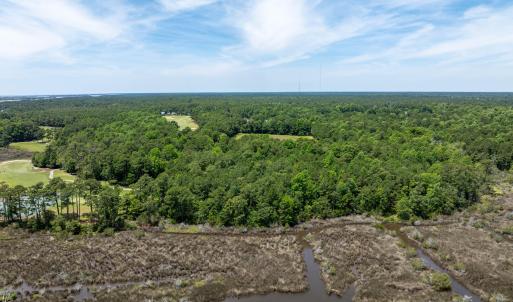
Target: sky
[(118, 46)]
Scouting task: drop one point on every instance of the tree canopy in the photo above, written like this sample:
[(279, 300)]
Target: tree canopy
[(410, 155)]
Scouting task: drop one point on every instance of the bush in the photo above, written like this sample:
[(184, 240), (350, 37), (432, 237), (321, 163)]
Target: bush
[(108, 232), (458, 298), (498, 298), (418, 264), (507, 230), (460, 267), (73, 227), (479, 224), (139, 234), (411, 252), (86, 229), (58, 224), (416, 235), (486, 205), (430, 243), (440, 281), (9, 296)]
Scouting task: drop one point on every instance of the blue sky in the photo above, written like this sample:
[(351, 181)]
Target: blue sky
[(111, 46)]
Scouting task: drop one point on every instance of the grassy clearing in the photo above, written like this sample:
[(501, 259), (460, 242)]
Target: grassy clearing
[(183, 121), (279, 137), (33, 146), (49, 128), (84, 209), (64, 175), (21, 172), (185, 229)]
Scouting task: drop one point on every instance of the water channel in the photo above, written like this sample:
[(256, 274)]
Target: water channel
[(316, 291)]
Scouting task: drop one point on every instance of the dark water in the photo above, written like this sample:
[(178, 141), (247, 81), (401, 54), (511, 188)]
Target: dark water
[(317, 291)]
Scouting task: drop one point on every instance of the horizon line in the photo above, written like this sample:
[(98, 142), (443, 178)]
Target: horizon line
[(98, 94)]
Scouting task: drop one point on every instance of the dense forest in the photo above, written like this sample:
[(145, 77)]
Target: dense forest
[(414, 156)]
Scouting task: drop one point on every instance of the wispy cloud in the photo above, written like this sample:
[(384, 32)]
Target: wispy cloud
[(30, 27), (176, 6), (255, 43), (278, 32), (476, 34)]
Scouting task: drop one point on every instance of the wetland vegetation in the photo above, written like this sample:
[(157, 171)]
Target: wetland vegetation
[(203, 203)]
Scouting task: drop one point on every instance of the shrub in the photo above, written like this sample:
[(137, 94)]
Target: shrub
[(460, 267), (458, 298), (108, 232), (411, 252), (498, 298), (330, 269), (418, 264), (9, 296), (479, 224), (87, 229), (507, 230), (430, 243), (73, 227), (440, 281), (139, 234), (416, 235), (58, 224), (486, 205)]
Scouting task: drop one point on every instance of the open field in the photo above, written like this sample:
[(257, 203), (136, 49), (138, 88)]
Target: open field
[(21, 172), (49, 128), (64, 175), (183, 121), (34, 146), (276, 136)]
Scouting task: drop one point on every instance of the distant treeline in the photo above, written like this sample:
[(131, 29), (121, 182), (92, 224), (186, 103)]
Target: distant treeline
[(414, 156)]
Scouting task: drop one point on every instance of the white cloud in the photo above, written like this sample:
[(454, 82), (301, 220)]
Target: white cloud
[(277, 32), (29, 27), (484, 32), (24, 41), (175, 6), (479, 35)]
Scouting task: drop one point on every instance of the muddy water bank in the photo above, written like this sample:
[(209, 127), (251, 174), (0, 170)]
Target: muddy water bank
[(316, 288), (371, 263), (476, 256), (456, 287), (349, 258)]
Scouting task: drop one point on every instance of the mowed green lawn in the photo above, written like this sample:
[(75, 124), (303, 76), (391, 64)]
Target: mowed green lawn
[(34, 146), (276, 136), (183, 121), (64, 175), (21, 172)]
